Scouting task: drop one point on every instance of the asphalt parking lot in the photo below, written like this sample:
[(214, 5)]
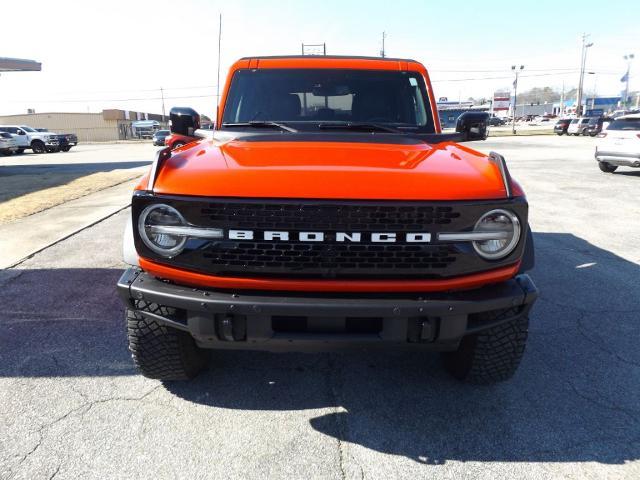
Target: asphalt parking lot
[(73, 406)]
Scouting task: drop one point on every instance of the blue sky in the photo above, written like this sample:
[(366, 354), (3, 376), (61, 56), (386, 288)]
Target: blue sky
[(117, 54)]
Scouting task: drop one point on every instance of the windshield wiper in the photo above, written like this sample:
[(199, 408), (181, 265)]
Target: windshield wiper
[(261, 124), (363, 126)]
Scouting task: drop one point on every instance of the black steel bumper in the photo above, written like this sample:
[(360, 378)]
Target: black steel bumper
[(307, 321)]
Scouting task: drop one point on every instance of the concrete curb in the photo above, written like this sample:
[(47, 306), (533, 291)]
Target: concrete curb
[(24, 238)]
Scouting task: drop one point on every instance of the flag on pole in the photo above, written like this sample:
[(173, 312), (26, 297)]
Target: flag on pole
[(625, 77)]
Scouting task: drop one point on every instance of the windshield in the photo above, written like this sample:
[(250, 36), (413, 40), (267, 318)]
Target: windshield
[(312, 96), (27, 129), (163, 132)]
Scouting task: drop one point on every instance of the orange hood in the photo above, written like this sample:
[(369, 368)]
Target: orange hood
[(335, 170)]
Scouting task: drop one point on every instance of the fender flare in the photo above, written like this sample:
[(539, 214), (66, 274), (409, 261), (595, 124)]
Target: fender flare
[(129, 253), (529, 256)]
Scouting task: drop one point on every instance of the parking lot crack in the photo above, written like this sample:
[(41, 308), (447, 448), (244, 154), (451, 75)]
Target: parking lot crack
[(599, 342), (340, 418), (55, 472), (603, 403), (84, 408)]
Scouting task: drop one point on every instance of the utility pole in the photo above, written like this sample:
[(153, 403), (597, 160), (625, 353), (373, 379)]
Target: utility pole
[(382, 52), (515, 96), (583, 61), (628, 58), (562, 101), (162, 97)]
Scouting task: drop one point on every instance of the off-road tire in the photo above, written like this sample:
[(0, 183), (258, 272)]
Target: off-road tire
[(607, 167), (490, 356), (38, 146), (162, 352)]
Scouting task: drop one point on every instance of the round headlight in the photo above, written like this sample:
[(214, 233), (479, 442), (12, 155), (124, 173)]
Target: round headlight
[(150, 224), (506, 226)]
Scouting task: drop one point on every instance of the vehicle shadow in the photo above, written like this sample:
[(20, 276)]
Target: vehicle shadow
[(574, 397), (18, 180), (628, 173), (62, 323)]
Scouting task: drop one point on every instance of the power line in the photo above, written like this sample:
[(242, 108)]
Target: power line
[(129, 90), (95, 100), (509, 77)]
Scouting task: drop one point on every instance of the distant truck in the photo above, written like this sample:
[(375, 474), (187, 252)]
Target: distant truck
[(145, 128), (66, 140), (29, 138)]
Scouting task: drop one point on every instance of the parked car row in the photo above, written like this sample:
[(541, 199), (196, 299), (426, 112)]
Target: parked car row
[(591, 126), (37, 140)]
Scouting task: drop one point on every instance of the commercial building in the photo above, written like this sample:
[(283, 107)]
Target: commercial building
[(110, 125)]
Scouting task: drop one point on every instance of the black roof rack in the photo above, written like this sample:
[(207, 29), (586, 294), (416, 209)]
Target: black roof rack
[(354, 57)]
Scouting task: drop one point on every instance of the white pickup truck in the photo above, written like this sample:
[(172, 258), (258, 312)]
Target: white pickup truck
[(27, 137)]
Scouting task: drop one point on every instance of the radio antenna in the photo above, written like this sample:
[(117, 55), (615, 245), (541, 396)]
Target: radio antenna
[(218, 82)]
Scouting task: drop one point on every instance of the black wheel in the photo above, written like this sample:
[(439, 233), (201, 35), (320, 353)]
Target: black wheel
[(6, 153), (607, 167), (177, 145), (38, 146), (66, 148), (162, 352), (52, 150), (20, 151), (559, 134), (492, 355)]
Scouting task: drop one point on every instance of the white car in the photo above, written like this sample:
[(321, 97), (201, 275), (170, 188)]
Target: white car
[(619, 144), (27, 137), (578, 126), (8, 144)]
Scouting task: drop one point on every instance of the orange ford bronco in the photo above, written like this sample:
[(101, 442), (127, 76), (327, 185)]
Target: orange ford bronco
[(326, 210)]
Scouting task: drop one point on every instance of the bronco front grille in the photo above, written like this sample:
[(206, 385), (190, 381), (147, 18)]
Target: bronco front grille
[(328, 217), (329, 258), (315, 258)]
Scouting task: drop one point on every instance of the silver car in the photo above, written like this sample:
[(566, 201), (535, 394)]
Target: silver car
[(8, 144)]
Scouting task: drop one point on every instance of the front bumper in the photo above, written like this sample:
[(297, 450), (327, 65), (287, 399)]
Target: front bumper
[(620, 159), (296, 321)]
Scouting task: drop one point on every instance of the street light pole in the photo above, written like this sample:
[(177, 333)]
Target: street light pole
[(162, 97), (583, 61), (515, 96), (628, 58)]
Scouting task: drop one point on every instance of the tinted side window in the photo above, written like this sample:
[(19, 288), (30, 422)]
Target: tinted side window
[(626, 124)]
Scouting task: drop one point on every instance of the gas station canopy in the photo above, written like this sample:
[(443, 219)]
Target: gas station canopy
[(19, 65)]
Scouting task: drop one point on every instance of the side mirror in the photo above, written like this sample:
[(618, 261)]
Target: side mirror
[(184, 121), (473, 126), (21, 132)]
